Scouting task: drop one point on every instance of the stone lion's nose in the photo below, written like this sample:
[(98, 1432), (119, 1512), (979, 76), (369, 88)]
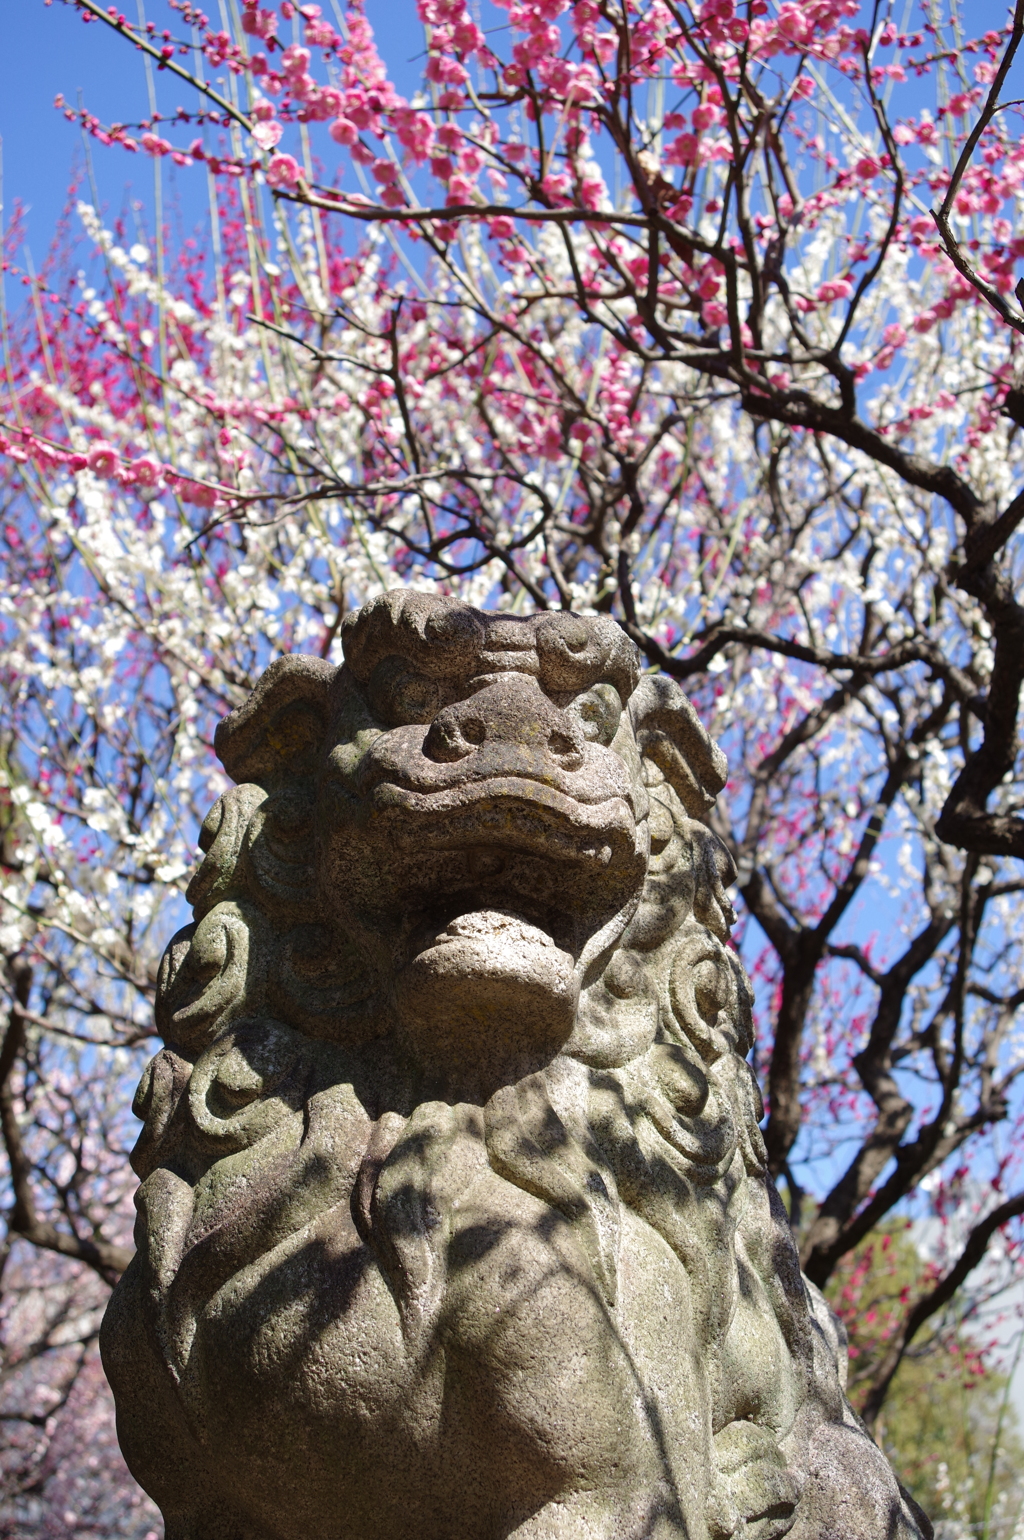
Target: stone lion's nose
[(512, 714)]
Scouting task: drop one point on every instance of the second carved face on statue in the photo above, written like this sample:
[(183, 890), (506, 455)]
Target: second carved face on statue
[(476, 823)]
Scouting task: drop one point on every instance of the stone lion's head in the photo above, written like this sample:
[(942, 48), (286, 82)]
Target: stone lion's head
[(472, 839), (458, 1008)]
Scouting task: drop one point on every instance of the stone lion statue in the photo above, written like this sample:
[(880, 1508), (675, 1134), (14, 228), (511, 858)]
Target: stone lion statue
[(454, 1222)]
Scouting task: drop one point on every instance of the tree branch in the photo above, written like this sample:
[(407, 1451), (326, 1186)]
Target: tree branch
[(941, 214), (933, 1301), (102, 1256)]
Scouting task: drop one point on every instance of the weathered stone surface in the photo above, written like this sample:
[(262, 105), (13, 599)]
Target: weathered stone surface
[(454, 1218)]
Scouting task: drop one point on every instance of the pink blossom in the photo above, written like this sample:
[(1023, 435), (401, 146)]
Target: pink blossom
[(259, 23), (194, 492), (267, 134), (283, 171), (682, 151), (834, 289), (321, 34), (415, 131), (357, 107), (295, 60), (145, 472), (793, 24), (605, 46), (343, 131), (540, 44), (467, 37), (593, 192), (460, 189), (446, 71), (450, 137), (556, 186), (550, 446), (303, 88), (103, 459), (584, 89), (557, 75)]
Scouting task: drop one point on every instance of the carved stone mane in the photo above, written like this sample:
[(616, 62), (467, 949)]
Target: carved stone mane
[(454, 1217)]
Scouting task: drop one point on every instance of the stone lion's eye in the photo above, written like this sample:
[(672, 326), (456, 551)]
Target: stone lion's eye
[(599, 711), (400, 695)]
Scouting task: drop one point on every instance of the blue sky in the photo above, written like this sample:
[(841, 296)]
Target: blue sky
[(48, 49)]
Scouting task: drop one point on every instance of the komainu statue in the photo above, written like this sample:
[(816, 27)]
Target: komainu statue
[(454, 1222)]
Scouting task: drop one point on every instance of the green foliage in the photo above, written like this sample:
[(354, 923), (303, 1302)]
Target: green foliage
[(948, 1425)]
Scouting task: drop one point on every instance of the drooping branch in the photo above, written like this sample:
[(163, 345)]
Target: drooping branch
[(954, 250)]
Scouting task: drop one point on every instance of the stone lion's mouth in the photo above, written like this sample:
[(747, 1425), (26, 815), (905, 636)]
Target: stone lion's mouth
[(498, 843), (511, 814)]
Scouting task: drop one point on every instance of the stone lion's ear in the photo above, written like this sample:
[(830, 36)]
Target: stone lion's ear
[(669, 732), (279, 731)]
